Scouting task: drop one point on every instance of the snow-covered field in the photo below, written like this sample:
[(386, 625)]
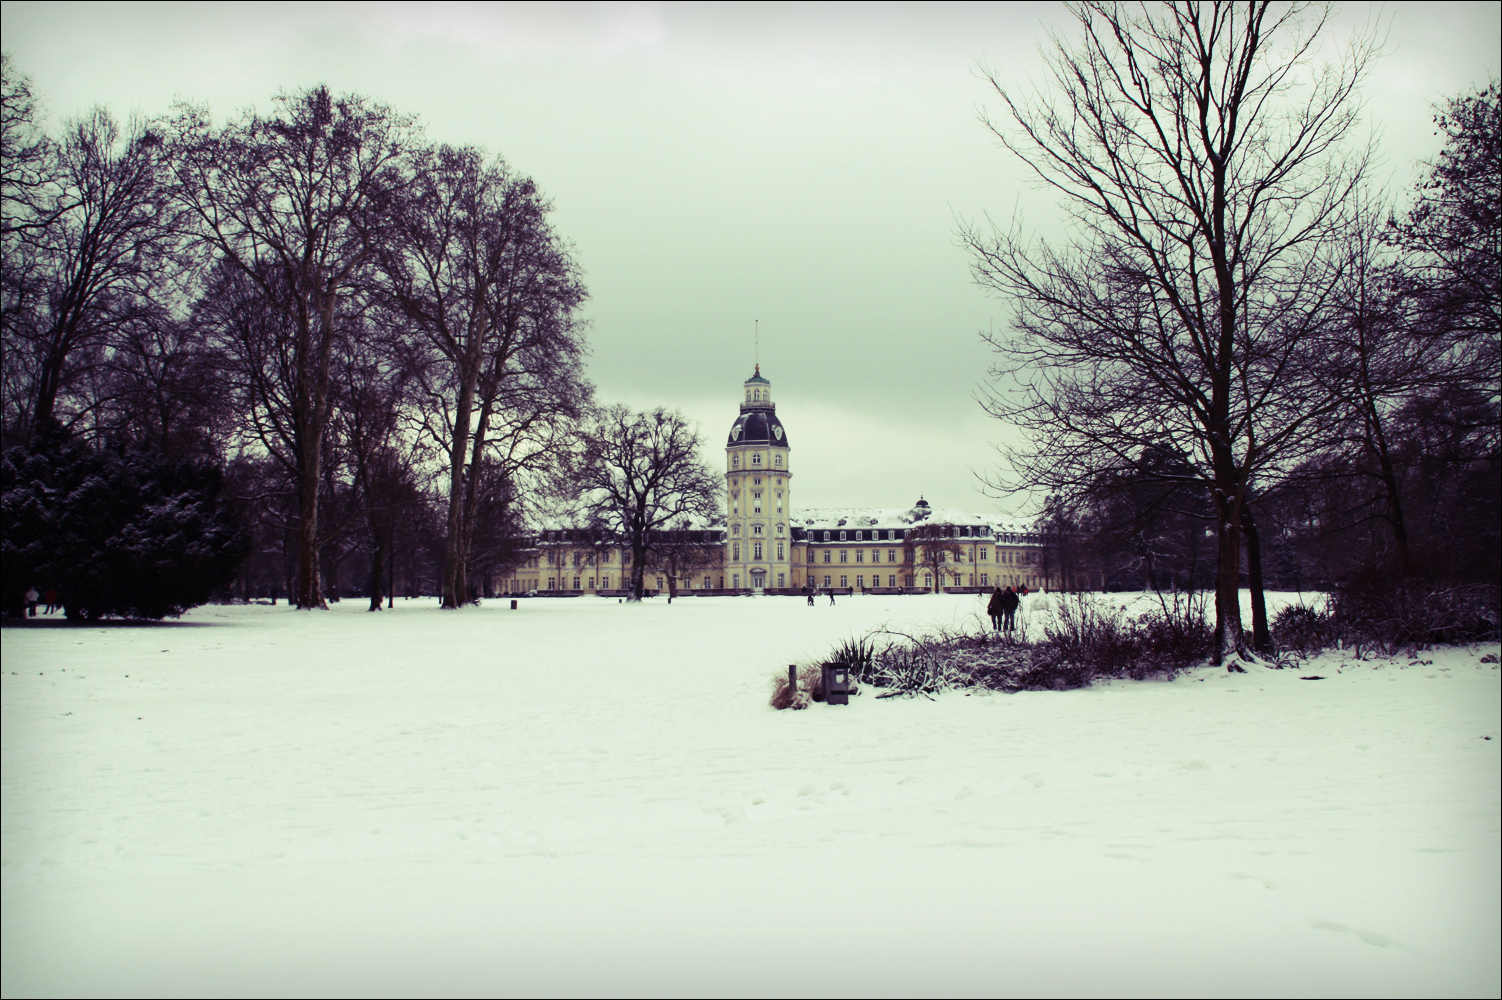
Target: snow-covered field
[(584, 797)]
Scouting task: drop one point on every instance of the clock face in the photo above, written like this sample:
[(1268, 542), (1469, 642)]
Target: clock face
[(777, 433)]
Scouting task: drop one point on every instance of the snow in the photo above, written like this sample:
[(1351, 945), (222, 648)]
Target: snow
[(582, 796)]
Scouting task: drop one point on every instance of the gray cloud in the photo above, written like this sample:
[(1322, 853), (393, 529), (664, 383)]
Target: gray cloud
[(804, 165)]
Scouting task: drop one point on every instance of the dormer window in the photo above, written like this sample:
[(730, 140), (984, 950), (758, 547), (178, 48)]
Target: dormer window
[(842, 536)]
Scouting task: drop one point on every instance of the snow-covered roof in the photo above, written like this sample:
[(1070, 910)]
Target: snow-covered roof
[(827, 518)]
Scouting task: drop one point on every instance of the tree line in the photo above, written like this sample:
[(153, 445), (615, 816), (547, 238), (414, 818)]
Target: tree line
[(1247, 362), (376, 339)]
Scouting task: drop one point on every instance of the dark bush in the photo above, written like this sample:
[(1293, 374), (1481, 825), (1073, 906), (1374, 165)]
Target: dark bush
[(1388, 613), (1082, 643), (114, 531), (1302, 629)]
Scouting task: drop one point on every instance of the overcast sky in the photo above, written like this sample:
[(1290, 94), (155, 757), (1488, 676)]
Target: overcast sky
[(803, 165)]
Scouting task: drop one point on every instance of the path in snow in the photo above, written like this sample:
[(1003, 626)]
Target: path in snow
[(584, 796)]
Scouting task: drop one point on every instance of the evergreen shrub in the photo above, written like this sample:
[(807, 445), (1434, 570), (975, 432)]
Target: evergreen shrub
[(115, 531)]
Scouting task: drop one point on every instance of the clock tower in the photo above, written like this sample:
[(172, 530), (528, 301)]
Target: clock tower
[(758, 494)]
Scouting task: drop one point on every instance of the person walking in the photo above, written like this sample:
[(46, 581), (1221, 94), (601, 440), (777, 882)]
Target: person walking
[(1009, 602), (31, 601), (831, 597), (810, 592), (993, 608), (51, 600)]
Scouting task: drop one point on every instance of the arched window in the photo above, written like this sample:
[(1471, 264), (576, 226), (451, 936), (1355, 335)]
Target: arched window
[(736, 552), (756, 458), (756, 551)]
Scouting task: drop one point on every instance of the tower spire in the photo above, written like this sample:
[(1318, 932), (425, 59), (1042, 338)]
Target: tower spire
[(756, 357)]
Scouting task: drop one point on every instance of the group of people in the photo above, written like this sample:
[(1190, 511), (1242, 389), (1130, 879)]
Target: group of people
[(813, 592), (33, 598), (1003, 607)]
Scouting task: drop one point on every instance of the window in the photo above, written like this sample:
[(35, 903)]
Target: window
[(735, 461), (552, 584), (735, 529), (779, 552), (983, 554), (777, 461), (844, 581), (576, 583), (781, 580), (756, 458), (707, 584), (860, 582), (756, 550), (826, 581), (860, 536), (756, 481), (876, 555), (826, 555), (736, 554), (891, 555), (860, 555), (891, 581), (736, 581), (844, 557), (826, 538), (756, 530), (779, 530), (779, 483), (604, 583)]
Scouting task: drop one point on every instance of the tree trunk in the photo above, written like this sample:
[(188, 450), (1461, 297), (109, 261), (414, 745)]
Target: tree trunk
[(454, 582), (1262, 640), (638, 570)]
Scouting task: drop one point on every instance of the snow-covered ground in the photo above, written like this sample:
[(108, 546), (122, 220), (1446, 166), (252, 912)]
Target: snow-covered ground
[(585, 797)]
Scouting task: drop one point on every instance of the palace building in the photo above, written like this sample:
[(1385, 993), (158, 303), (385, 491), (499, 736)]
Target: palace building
[(766, 545)]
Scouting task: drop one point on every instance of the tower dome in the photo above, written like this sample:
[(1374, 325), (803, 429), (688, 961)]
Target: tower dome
[(758, 423)]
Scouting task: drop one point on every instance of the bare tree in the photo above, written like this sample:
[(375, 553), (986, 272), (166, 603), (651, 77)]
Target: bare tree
[(488, 292), (99, 260), (932, 546), (639, 474), (28, 181), (684, 551), (293, 202), (1206, 178)]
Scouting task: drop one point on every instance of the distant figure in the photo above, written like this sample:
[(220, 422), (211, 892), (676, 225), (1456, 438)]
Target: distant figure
[(810, 592), (1009, 602), (831, 597), (31, 601), (51, 600), (1023, 590), (993, 608)]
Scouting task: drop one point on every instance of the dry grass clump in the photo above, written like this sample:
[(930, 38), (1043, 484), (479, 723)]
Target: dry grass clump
[(810, 687)]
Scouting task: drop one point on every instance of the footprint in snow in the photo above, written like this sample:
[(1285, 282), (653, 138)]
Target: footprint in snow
[(1370, 937)]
